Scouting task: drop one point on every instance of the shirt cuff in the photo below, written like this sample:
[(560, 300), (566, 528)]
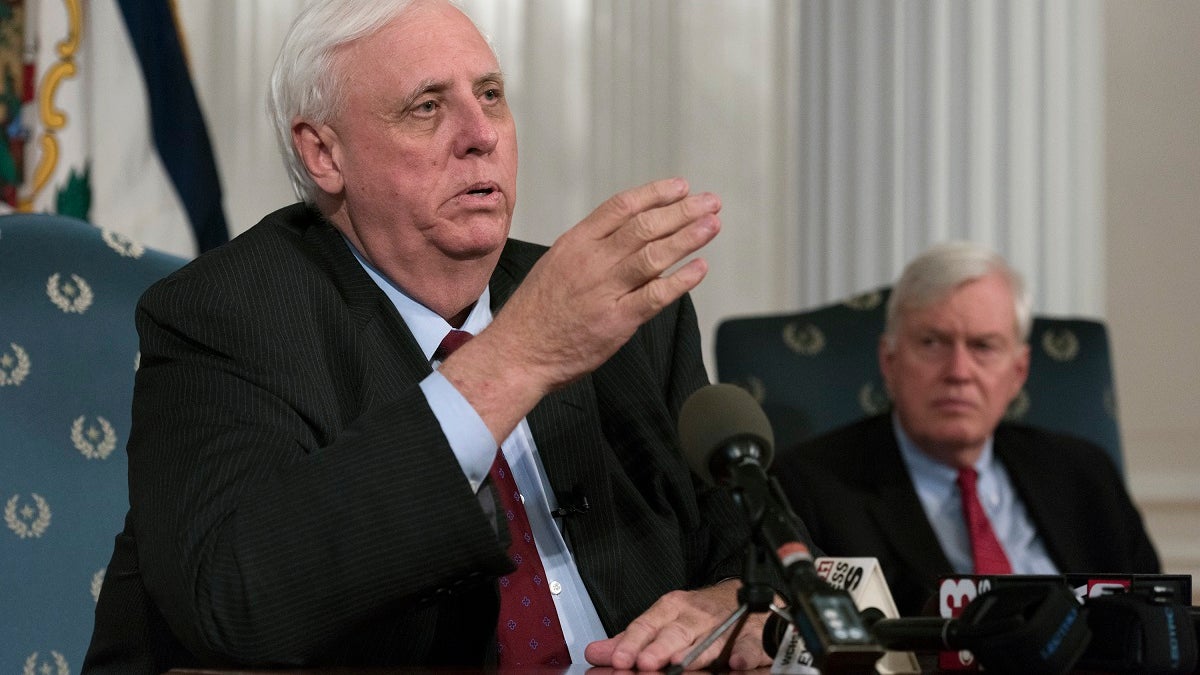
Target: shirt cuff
[(469, 437)]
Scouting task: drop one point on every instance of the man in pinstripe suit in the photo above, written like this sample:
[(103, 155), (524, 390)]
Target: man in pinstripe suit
[(308, 487)]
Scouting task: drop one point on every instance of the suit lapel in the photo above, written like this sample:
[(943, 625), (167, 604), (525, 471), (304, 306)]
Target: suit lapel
[(1042, 493), (395, 359), (897, 510)]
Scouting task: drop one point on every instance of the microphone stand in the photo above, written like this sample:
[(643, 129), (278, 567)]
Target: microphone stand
[(755, 595)]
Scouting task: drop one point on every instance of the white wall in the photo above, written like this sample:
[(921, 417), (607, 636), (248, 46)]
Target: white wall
[(1153, 215)]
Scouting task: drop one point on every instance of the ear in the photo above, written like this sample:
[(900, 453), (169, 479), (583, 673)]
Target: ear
[(1020, 367), (887, 357), (319, 149)]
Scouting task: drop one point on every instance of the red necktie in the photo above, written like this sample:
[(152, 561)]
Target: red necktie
[(449, 344), (985, 548), (527, 632)]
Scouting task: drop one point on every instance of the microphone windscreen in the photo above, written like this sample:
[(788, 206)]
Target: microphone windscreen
[(718, 415)]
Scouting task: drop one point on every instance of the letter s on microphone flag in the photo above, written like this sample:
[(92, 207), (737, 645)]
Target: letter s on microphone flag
[(108, 127)]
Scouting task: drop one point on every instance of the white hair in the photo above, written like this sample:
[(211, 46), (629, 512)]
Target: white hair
[(305, 82), (935, 273)]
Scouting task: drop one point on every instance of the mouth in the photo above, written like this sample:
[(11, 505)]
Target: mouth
[(951, 404), (480, 190)]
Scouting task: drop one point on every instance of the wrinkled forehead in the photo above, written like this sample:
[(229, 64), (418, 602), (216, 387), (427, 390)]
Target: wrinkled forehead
[(414, 44), (979, 306)]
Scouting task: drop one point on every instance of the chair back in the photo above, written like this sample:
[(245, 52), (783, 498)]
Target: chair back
[(68, 354), (817, 370)]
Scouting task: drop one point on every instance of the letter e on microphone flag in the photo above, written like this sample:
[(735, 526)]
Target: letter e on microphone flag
[(101, 121)]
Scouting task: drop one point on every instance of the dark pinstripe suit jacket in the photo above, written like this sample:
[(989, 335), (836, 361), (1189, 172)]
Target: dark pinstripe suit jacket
[(294, 501), (853, 491)]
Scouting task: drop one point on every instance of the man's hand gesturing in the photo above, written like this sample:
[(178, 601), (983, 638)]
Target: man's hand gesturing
[(585, 298)]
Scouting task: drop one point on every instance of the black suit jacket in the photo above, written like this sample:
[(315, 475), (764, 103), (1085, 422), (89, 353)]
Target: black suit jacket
[(294, 500), (852, 489)]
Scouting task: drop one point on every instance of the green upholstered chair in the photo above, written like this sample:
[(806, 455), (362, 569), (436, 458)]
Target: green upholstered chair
[(817, 370), (68, 354)]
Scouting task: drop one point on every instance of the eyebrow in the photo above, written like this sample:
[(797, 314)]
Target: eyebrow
[(991, 337), (424, 87), (431, 85), (494, 76)]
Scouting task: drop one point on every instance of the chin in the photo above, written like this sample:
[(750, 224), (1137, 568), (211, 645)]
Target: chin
[(476, 248), (956, 433), (964, 441), (475, 240)]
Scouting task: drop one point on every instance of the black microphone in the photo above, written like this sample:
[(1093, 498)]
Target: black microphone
[(727, 439), (906, 634), (914, 634), (1141, 632), (1017, 628)]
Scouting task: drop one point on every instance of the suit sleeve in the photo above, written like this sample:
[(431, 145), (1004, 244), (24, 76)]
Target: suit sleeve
[(716, 549), (1141, 556), (248, 481), (719, 553)]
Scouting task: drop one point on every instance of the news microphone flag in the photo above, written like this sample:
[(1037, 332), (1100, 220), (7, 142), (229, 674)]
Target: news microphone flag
[(863, 579), (956, 592)]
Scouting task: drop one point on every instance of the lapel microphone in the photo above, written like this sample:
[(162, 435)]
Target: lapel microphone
[(572, 503)]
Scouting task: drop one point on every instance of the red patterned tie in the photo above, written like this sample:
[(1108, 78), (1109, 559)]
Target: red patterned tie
[(453, 340), (985, 548), (527, 632)]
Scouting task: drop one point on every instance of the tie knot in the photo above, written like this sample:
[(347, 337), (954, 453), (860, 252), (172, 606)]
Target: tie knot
[(453, 340), (967, 481)]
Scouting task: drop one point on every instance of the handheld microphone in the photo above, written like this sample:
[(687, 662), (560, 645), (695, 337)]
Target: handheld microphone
[(727, 439)]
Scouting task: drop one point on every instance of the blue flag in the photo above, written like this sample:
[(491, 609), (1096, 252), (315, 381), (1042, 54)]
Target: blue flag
[(180, 135)]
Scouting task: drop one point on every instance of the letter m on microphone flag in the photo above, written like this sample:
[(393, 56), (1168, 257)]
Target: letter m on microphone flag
[(180, 134)]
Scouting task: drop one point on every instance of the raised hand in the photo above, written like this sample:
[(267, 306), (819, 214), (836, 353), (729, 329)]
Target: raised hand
[(586, 297)]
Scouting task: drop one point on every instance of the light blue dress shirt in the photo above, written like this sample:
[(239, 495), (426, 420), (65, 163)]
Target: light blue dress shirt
[(937, 488), (475, 449)]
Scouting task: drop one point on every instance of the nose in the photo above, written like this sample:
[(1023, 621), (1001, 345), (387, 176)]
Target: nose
[(477, 134), (959, 362)]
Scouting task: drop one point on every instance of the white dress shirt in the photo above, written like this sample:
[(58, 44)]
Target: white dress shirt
[(475, 449), (939, 494)]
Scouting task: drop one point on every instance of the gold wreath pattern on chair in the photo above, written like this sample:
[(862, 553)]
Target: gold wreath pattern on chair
[(68, 354), (816, 370)]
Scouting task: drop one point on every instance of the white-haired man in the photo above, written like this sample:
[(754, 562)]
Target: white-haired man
[(953, 355), (314, 481)]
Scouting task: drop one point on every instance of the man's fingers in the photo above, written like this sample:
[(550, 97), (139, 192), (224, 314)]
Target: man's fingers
[(671, 638), (637, 642), (616, 211), (606, 276), (650, 259), (668, 631), (651, 297), (655, 224), (650, 640)]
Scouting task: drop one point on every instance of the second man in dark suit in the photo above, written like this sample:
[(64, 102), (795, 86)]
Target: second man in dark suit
[(953, 355)]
